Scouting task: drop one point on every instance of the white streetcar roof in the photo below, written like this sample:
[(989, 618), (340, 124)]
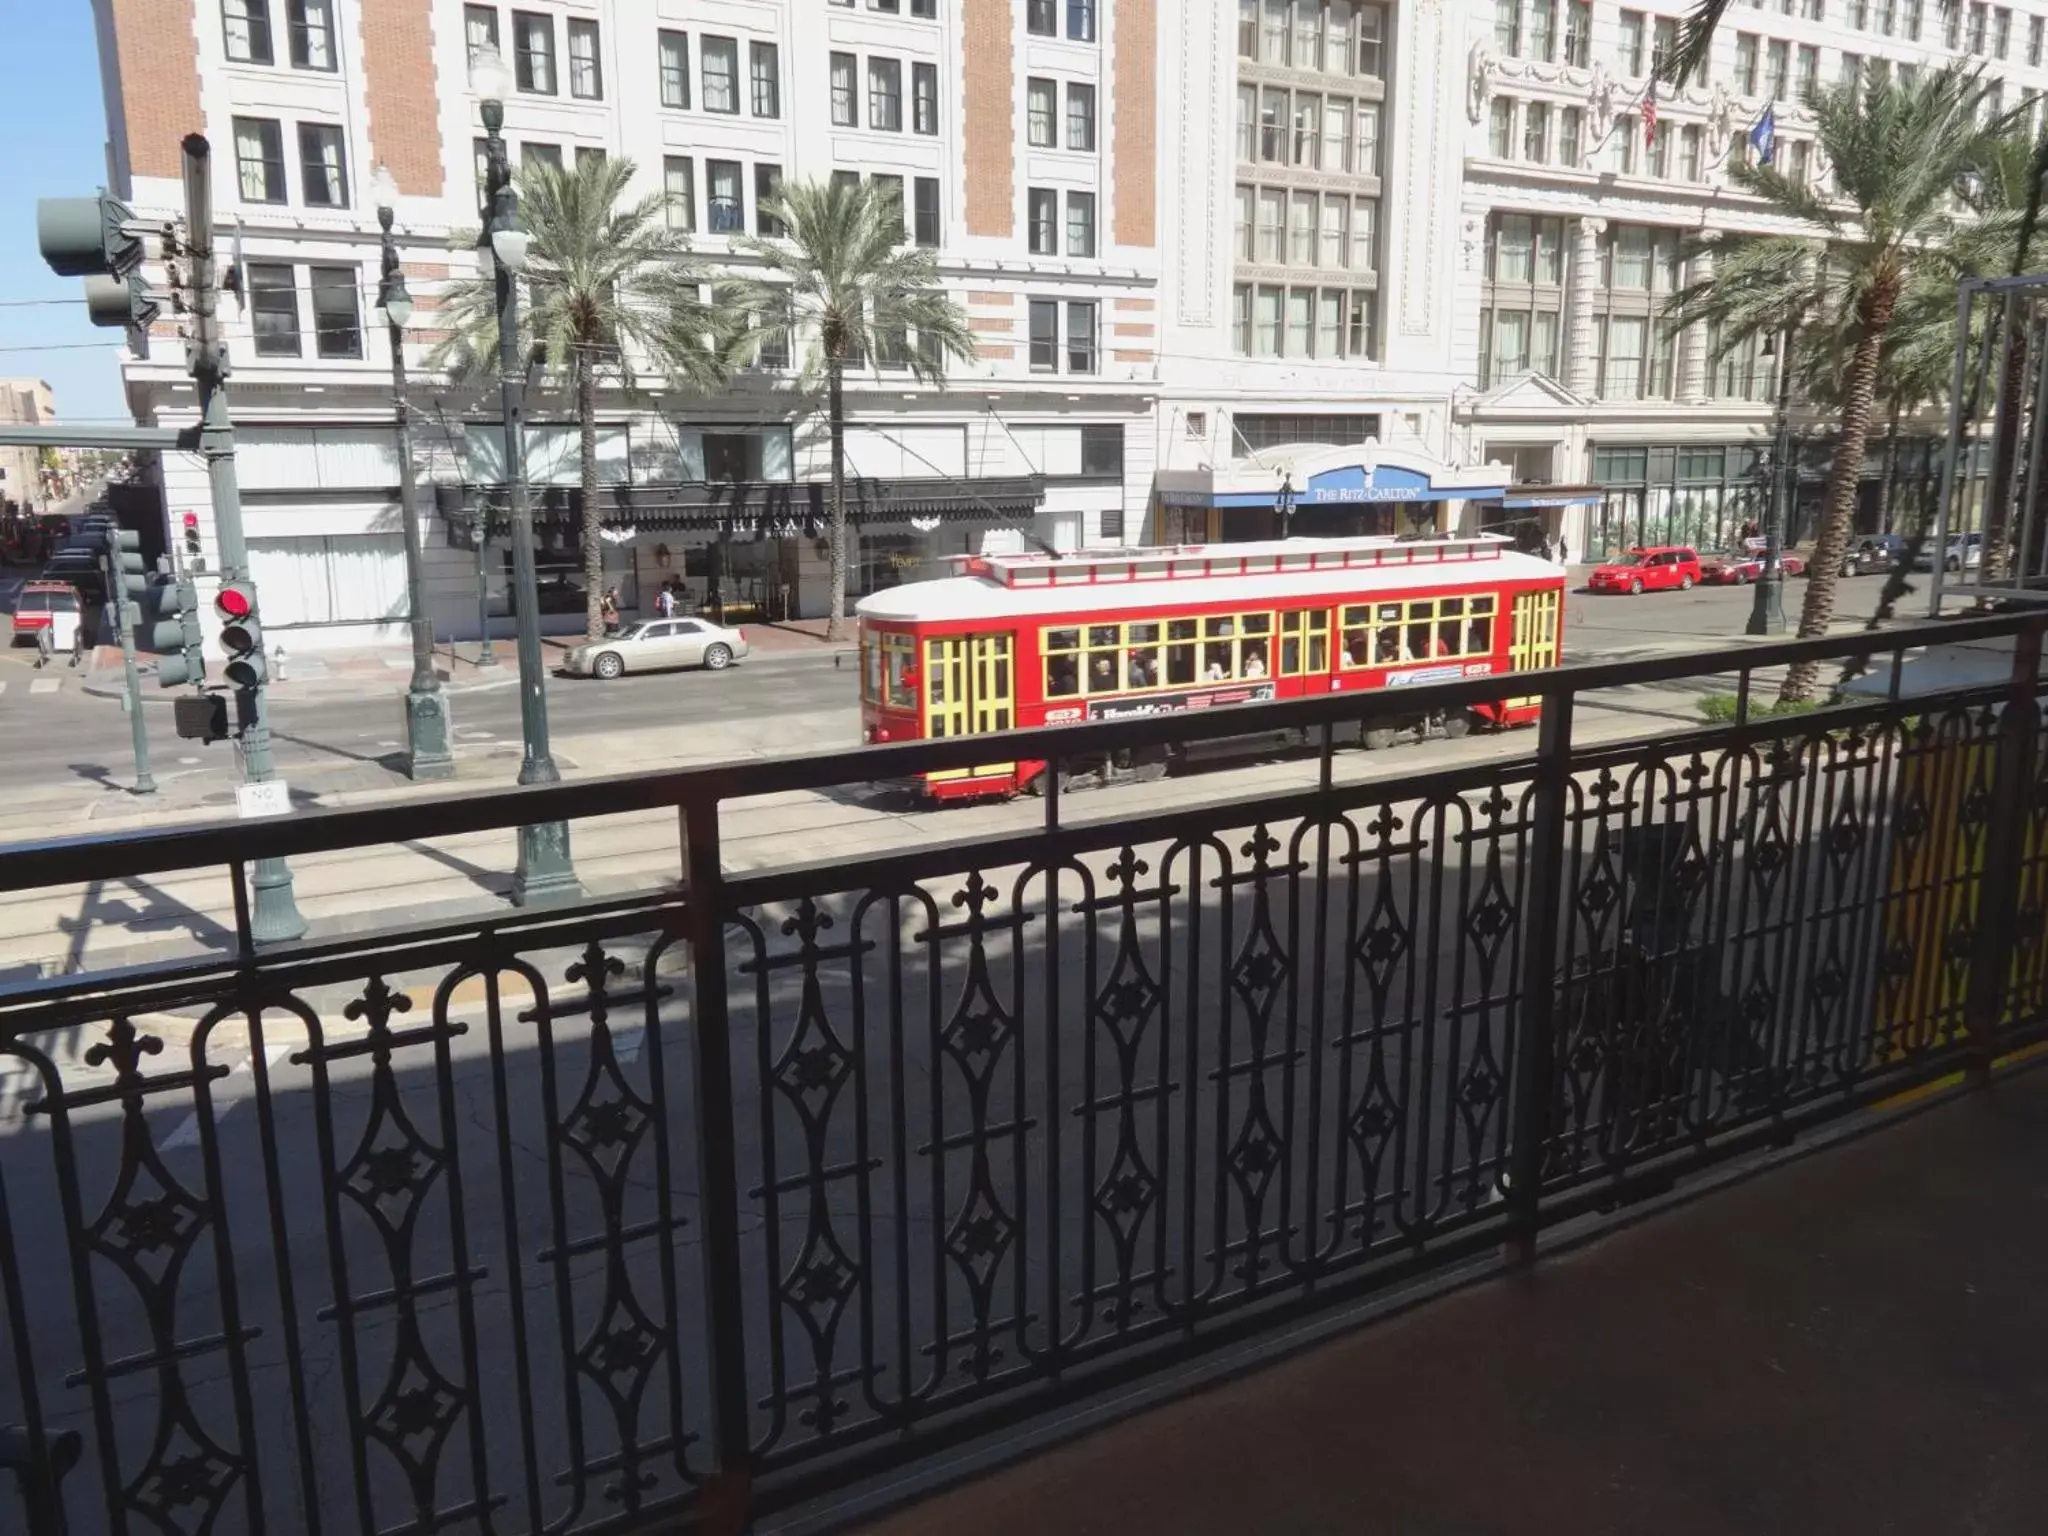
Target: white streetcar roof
[(978, 597)]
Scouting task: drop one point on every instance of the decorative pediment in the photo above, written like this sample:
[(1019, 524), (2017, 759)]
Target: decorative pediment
[(1531, 391)]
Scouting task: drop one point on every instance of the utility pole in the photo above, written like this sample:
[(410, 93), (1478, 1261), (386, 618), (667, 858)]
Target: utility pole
[(274, 915)]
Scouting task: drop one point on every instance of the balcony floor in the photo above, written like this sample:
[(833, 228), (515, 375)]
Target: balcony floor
[(1854, 1342)]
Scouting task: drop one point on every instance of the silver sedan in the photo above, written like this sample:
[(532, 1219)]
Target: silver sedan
[(655, 644)]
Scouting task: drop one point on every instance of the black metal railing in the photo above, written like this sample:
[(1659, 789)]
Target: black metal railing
[(721, 1196)]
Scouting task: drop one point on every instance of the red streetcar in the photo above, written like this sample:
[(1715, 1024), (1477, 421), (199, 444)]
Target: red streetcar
[(1026, 640)]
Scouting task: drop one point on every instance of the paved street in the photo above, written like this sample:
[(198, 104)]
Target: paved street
[(62, 739)]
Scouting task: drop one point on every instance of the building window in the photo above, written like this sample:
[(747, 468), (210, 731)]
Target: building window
[(675, 70), (1102, 454), (1745, 63), (1569, 137), (1041, 126), (924, 98), (679, 188), (312, 29), (534, 153), (479, 30), (1301, 229), (2035, 28), (925, 210), (1272, 219), (845, 97), (259, 159), (337, 320), (1247, 29), (2001, 32), (891, 188), (1536, 133), (1335, 250), (1371, 23), (927, 10), (323, 170), (764, 70), (1080, 223), (1663, 44), (723, 201), (1689, 139), (245, 29), (1045, 335), (1041, 18), (273, 310), (1081, 336), (1541, 43), (767, 188), (1367, 161), (1500, 129), (1578, 33), (1629, 52), (1081, 21), (586, 74), (885, 95), (1806, 72), (1081, 117), (721, 57), (1778, 69), (1044, 221), (1507, 28), (533, 52), (1273, 126)]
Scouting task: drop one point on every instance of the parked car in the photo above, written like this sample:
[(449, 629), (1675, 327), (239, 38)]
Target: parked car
[(1746, 564), (653, 645), (1669, 567), (47, 605), (1875, 554), (1965, 551)]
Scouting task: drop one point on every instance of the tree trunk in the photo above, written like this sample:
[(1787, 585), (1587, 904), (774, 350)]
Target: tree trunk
[(835, 621), (593, 519), (1845, 475)]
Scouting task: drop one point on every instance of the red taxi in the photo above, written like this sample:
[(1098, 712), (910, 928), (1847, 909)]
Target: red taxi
[(1668, 567), (1746, 564)]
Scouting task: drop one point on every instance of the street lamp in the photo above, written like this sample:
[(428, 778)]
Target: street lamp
[(1767, 611), (1283, 503), (544, 871), (426, 710)]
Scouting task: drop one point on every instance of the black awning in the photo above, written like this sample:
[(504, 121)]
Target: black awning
[(750, 508)]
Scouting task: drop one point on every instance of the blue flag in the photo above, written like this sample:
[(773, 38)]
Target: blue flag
[(1763, 134)]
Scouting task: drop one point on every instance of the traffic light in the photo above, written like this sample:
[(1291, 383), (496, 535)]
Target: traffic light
[(192, 546), (240, 634), (93, 238), (170, 628), (125, 562)]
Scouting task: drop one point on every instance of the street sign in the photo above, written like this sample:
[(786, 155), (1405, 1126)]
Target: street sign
[(270, 797)]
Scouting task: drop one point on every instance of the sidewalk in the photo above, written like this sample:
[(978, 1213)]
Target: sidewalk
[(355, 672)]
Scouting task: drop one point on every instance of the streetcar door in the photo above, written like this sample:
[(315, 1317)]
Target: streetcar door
[(970, 688), (1533, 640)]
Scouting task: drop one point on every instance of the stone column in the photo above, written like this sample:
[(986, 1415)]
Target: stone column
[(1694, 371), (1581, 370)]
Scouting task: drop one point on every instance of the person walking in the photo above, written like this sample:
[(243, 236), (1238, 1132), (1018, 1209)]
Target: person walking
[(665, 601), (608, 610)]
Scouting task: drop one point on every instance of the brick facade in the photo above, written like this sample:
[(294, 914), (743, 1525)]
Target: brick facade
[(152, 54), (400, 87), (988, 106), (1136, 144)]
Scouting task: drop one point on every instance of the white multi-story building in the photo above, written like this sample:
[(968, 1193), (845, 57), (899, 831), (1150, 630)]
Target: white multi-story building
[(1233, 265), (1019, 135)]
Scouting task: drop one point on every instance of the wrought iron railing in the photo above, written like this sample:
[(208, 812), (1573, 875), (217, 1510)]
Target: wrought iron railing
[(722, 1196)]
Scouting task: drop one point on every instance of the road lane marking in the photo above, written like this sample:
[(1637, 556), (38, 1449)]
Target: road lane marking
[(225, 1097), (45, 684)]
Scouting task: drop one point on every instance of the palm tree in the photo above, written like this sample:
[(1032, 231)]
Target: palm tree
[(1899, 153), (610, 283), (841, 281)]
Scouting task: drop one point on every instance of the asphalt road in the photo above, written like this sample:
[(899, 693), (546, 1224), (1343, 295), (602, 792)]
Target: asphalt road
[(52, 738)]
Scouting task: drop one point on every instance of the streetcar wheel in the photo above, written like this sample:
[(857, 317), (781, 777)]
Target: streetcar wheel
[(1378, 738), (1457, 726)]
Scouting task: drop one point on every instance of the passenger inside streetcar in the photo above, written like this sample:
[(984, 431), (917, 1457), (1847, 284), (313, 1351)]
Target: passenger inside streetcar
[(1143, 665), (1388, 650), (1254, 658), (1217, 657), (1062, 677), (1102, 676)]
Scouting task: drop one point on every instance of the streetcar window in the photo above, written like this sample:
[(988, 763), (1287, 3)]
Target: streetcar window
[(1180, 650), (1290, 644), (1417, 646), (935, 674), (1141, 661), (871, 667), (1255, 658), (1356, 633), (1319, 641), (1062, 666), (1478, 637), (900, 659), (1104, 650)]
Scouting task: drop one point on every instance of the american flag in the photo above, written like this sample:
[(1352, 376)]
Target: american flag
[(1650, 112)]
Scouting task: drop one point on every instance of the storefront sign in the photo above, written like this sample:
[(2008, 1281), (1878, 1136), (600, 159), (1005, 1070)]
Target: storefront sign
[(1178, 703), (1368, 493)]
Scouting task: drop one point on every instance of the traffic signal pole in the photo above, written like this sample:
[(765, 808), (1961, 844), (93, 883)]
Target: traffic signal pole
[(274, 914), (125, 616)]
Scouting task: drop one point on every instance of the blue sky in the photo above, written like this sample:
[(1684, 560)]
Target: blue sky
[(60, 130)]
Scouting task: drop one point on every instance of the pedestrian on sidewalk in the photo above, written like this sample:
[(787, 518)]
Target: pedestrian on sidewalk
[(608, 610), (665, 602)]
